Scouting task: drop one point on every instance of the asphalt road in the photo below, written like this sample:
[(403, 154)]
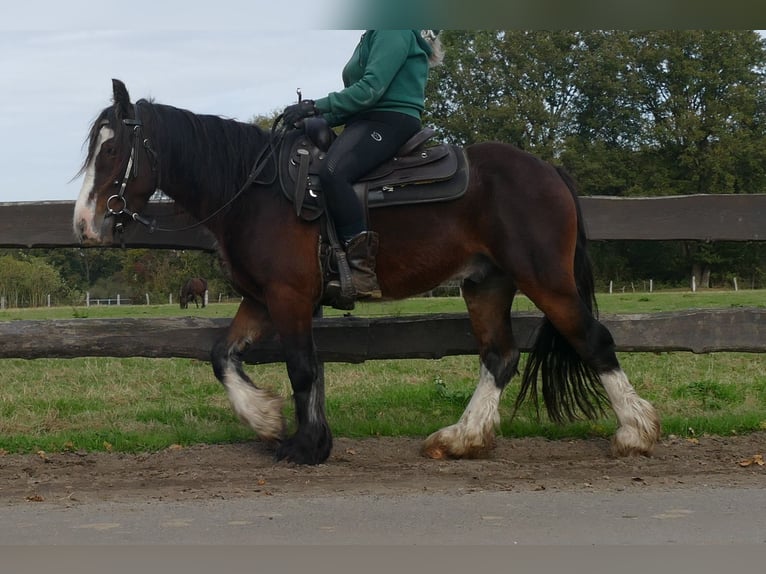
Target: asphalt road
[(696, 516)]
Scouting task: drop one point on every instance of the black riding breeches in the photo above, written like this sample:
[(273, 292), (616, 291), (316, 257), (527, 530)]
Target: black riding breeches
[(364, 144)]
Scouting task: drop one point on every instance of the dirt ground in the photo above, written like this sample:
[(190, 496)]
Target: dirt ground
[(377, 466)]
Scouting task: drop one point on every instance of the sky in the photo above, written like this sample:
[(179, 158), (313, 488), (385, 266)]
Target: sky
[(58, 60), (232, 58)]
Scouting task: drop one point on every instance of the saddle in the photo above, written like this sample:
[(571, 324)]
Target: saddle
[(418, 173)]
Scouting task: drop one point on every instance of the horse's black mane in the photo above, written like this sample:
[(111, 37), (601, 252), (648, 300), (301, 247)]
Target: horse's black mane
[(216, 152)]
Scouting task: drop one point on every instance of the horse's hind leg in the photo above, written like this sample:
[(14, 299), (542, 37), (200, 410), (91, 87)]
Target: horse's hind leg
[(256, 407), (639, 425), (489, 307), (639, 428)]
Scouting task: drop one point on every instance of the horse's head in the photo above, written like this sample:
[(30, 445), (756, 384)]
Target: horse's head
[(119, 171)]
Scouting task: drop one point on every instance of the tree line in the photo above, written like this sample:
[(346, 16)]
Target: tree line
[(670, 112), (627, 113), (28, 276)]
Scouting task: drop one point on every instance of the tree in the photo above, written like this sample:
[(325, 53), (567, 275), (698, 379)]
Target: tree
[(513, 86), (28, 282), (265, 122), (702, 96), (627, 113)]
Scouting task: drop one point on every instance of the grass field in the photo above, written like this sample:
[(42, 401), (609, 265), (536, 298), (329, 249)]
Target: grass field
[(136, 405), (607, 303)]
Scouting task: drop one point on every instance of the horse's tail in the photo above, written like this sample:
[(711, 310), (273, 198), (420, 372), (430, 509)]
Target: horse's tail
[(569, 386)]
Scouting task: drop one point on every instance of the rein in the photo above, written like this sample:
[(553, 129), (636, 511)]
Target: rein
[(131, 171)]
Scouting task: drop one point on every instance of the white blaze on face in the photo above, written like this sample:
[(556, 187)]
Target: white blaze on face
[(87, 224)]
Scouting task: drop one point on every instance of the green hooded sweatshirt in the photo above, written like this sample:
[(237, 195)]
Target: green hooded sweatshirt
[(387, 72)]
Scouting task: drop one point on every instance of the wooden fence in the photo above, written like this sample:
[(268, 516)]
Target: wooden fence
[(353, 339), (697, 217)]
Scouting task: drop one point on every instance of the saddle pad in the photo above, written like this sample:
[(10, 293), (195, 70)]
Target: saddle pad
[(423, 192)]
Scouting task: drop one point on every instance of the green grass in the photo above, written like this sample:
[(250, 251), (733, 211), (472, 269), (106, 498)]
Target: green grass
[(134, 405), (607, 303)]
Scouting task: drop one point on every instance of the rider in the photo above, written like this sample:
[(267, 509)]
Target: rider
[(380, 106)]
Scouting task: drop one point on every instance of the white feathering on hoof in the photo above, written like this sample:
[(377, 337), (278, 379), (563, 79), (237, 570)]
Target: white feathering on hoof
[(473, 436), (259, 409), (639, 423)]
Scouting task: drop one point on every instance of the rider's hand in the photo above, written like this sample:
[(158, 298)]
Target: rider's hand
[(296, 112)]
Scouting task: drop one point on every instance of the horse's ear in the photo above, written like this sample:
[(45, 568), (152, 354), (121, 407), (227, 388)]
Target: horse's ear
[(121, 98)]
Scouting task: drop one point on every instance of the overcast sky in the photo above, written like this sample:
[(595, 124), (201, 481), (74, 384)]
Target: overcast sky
[(233, 58), (58, 60)]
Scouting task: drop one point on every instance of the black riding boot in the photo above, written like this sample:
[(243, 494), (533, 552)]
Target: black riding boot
[(361, 251)]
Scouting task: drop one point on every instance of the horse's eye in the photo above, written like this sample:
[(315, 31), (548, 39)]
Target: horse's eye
[(109, 150)]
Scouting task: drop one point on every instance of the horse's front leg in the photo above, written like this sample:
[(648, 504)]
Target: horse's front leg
[(312, 441), (256, 407)]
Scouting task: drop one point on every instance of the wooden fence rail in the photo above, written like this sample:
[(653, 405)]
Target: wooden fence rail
[(695, 217), (352, 339)]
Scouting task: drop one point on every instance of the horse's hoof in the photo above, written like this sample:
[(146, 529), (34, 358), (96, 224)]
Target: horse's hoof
[(445, 444), (627, 451), (302, 448), (436, 452), (629, 441), (287, 453)]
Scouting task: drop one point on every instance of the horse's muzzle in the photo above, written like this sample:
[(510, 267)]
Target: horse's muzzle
[(88, 234)]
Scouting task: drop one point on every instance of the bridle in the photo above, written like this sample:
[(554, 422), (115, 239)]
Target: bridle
[(117, 204)]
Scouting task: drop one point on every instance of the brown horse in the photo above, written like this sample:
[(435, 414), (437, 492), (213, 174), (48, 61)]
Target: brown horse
[(193, 288), (518, 227)]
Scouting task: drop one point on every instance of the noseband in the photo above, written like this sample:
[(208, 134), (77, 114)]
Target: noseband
[(117, 204)]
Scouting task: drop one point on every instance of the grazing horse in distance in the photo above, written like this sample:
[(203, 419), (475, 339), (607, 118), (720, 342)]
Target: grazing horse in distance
[(517, 227), (193, 288)]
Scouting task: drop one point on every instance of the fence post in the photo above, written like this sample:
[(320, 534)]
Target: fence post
[(2, 302), (87, 298), (206, 297), (147, 298), (170, 298), (611, 284), (694, 284), (735, 284), (651, 285)]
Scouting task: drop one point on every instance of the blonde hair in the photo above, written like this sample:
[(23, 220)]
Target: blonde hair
[(437, 50)]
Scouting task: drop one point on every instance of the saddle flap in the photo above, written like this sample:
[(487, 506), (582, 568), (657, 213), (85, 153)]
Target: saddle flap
[(295, 152)]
